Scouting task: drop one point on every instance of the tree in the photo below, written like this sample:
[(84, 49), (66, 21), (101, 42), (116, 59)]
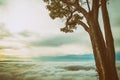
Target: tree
[(75, 13)]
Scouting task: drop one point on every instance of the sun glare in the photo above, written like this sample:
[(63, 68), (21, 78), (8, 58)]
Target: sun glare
[(2, 57), (25, 15)]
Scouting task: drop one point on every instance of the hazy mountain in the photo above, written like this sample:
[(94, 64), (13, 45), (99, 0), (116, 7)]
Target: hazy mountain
[(85, 57)]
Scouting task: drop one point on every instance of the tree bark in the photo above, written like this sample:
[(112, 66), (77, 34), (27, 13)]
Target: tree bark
[(109, 42), (99, 49), (105, 66)]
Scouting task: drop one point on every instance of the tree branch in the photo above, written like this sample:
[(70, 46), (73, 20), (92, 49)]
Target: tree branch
[(84, 25), (80, 23), (68, 2), (77, 6), (70, 16), (95, 8), (88, 5)]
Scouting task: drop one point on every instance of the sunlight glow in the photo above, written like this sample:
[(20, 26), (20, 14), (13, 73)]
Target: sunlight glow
[(22, 15), (2, 57), (28, 15)]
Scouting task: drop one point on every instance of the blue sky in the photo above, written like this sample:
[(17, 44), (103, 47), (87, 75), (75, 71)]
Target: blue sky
[(27, 30)]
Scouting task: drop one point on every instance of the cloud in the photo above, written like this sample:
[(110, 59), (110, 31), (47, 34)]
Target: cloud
[(46, 71), (25, 33), (6, 44), (55, 41), (60, 40), (5, 47), (4, 32), (30, 44), (28, 34), (2, 2), (60, 50)]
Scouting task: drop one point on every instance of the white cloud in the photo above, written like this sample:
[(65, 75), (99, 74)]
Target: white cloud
[(11, 44), (61, 50)]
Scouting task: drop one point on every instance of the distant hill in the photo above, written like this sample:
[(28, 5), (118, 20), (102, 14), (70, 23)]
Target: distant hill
[(85, 57), (66, 58)]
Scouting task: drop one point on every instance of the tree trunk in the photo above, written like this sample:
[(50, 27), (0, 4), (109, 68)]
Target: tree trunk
[(103, 64), (99, 51), (109, 42), (105, 68)]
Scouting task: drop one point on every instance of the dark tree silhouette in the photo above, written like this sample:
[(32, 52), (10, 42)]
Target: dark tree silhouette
[(75, 13)]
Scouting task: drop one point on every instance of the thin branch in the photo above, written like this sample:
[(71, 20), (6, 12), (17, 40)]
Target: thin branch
[(80, 23), (88, 5), (70, 16), (81, 9), (84, 25), (77, 6)]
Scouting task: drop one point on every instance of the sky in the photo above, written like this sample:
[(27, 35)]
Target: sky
[(26, 30)]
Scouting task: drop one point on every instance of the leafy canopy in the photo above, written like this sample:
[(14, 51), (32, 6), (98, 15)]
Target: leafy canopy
[(69, 10)]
